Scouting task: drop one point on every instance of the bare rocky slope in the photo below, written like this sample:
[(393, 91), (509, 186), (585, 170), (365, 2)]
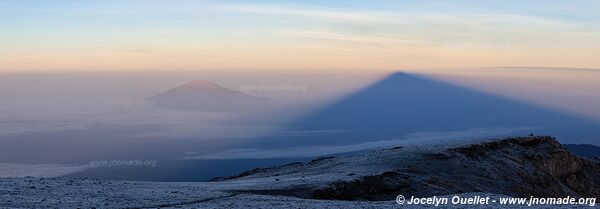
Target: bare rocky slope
[(524, 166)]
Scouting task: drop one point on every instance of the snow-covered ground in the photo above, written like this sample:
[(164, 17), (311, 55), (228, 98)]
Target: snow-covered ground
[(88, 193)]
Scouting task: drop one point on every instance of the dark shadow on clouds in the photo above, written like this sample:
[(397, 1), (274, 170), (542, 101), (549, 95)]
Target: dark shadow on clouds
[(406, 103)]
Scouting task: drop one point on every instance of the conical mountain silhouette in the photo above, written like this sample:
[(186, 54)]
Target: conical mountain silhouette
[(203, 95), (405, 103)]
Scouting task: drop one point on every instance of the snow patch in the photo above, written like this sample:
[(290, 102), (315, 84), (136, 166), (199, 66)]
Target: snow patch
[(315, 151)]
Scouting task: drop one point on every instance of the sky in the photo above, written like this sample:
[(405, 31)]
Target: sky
[(349, 35)]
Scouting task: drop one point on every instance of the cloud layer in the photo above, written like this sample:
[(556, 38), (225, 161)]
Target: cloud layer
[(38, 170)]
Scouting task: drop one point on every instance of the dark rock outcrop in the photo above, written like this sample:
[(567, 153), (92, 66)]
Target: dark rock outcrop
[(527, 166)]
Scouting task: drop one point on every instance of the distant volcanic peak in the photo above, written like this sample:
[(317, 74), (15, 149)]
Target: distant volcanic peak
[(203, 95), (202, 84)]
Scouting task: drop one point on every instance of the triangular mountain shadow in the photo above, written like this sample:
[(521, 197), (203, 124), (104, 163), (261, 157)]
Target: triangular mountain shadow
[(405, 103)]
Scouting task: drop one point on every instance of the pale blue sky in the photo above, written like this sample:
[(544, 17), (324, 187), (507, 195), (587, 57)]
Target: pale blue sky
[(158, 34)]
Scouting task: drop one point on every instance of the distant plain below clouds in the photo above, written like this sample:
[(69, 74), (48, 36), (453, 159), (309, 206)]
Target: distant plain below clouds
[(429, 138), (38, 170)]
